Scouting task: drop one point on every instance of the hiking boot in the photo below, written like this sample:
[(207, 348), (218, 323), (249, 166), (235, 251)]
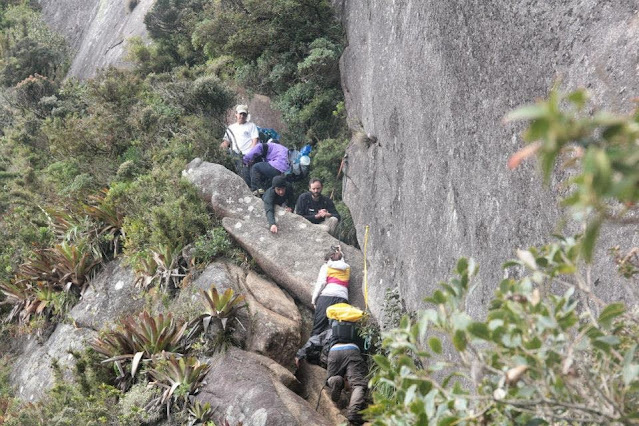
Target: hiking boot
[(336, 383), (355, 420)]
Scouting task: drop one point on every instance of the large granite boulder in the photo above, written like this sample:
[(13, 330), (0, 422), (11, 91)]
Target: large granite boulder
[(243, 387), (294, 255), (275, 320), (111, 295), (272, 323), (32, 374), (427, 84)]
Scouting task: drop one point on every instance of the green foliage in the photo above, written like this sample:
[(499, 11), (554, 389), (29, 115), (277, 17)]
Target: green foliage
[(85, 400), (599, 148), (539, 356), (180, 378), (28, 47), (215, 243), (534, 357)]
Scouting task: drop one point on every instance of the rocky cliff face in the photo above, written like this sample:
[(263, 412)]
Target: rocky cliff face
[(96, 30), (429, 82)]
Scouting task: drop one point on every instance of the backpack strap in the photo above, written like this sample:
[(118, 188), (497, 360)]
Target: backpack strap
[(262, 156)]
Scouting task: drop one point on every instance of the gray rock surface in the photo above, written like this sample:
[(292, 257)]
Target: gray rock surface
[(313, 379), (111, 294), (32, 374), (275, 320), (294, 255), (97, 30), (271, 325), (242, 387), (427, 84)]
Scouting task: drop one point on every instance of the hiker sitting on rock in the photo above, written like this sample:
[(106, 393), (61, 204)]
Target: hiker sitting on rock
[(343, 361), (280, 194), (263, 172), (316, 208), (239, 138), (331, 287)]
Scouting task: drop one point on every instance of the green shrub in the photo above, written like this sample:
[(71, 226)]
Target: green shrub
[(214, 244), (539, 356)]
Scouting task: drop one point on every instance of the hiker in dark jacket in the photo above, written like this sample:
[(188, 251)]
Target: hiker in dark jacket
[(344, 361), (280, 194), (316, 208)]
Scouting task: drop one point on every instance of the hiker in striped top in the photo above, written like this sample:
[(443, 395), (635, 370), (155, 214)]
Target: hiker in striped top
[(331, 287)]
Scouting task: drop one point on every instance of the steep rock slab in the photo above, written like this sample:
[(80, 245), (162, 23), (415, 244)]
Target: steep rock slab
[(293, 256), (272, 323), (313, 379), (275, 320), (111, 295), (32, 375), (240, 388), (430, 82), (96, 30)]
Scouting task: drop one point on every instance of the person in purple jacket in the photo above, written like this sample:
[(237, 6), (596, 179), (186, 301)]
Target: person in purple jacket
[(262, 172)]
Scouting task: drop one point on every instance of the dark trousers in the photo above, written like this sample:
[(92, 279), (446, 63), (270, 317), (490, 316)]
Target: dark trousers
[(242, 169), (350, 364), (262, 174), (320, 322)]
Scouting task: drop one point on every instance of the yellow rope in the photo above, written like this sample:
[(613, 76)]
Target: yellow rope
[(365, 271)]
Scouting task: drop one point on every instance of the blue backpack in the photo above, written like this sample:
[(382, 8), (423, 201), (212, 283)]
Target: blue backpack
[(300, 163), (266, 134)]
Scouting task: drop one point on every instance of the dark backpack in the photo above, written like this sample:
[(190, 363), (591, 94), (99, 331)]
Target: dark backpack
[(346, 332), (265, 134)]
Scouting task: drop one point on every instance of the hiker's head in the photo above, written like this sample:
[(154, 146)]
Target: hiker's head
[(279, 185), (241, 113), (315, 186), (335, 253)]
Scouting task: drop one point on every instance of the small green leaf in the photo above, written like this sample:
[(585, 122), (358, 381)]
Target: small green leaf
[(382, 361), (611, 312), (435, 344), (480, 330), (446, 421), (459, 340), (589, 238), (527, 112), (630, 373)]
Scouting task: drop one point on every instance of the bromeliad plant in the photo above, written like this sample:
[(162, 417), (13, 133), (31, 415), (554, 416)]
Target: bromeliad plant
[(138, 340), (221, 307), (180, 377)]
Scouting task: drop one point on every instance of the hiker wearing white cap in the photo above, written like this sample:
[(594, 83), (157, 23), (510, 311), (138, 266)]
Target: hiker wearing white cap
[(239, 138)]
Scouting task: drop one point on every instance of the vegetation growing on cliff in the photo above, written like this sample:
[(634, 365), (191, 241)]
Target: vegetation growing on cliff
[(549, 351), (91, 170)]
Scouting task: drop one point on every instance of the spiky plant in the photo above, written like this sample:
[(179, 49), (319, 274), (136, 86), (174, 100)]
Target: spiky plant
[(180, 377), (200, 413), (161, 265), (20, 294), (65, 266), (222, 306), (111, 219), (137, 340)]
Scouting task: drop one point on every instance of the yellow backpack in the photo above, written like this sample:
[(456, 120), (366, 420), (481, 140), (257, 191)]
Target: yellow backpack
[(344, 312)]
